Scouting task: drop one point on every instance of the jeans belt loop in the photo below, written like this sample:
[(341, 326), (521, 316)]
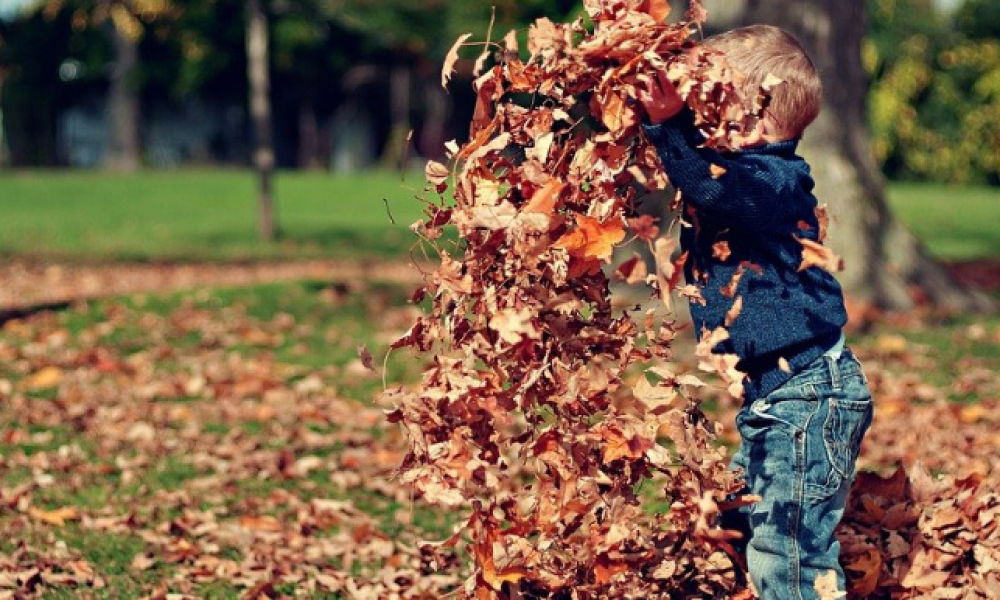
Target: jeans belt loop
[(834, 372)]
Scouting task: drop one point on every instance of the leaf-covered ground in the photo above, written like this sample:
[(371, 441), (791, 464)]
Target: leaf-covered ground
[(224, 444)]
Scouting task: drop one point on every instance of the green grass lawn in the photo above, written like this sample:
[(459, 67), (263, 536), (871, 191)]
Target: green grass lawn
[(197, 215), (211, 215), (956, 223), (228, 384)]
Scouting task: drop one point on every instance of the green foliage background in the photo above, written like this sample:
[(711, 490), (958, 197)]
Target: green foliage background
[(934, 102)]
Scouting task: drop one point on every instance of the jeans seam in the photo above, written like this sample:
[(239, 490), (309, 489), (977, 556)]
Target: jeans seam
[(795, 559)]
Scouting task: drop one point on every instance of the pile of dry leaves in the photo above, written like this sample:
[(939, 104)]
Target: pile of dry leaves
[(523, 419)]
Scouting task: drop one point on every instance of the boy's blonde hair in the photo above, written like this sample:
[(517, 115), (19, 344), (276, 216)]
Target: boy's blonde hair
[(757, 51)]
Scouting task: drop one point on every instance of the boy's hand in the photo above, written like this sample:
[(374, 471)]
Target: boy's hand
[(660, 98)]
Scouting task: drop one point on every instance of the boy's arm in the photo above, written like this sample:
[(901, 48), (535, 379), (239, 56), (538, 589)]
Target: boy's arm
[(725, 188)]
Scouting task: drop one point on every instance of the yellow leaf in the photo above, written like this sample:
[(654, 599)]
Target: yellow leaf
[(972, 413), (57, 517), (46, 378), (717, 171)]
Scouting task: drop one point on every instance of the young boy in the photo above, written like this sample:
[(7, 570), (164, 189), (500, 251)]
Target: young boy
[(807, 404)]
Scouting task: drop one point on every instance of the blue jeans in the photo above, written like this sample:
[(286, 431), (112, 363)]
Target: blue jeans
[(799, 446)]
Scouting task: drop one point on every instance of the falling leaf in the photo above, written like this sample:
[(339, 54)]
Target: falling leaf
[(659, 10), (633, 270), (448, 69), (545, 199), (815, 254), (437, 175), (734, 311), (366, 357), (510, 42), (823, 217), (826, 586), (592, 238), (770, 82), (720, 250), (644, 227), (512, 324), (717, 171)]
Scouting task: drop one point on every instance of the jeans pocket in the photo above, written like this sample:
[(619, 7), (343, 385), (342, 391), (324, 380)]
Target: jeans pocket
[(846, 422)]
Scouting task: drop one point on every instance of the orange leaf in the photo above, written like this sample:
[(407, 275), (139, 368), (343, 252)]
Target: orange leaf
[(717, 171), (604, 569), (592, 238), (815, 254), (261, 523), (618, 445), (659, 10), (544, 199), (57, 517), (720, 250)]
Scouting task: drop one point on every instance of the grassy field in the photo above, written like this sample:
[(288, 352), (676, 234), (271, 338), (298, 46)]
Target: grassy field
[(210, 215), (217, 441), (956, 223), (196, 215), (205, 442)]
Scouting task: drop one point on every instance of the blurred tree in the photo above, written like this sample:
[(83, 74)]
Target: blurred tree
[(124, 22), (258, 68), (40, 64), (979, 19), (410, 37), (886, 266), (935, 96)]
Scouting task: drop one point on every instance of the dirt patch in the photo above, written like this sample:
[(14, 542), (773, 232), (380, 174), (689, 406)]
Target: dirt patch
[(31, 284)]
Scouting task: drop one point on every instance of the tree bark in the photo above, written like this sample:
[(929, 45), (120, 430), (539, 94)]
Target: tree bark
[(123, 104), (309, 133), (258, 65), (398, 145), (886, 266), (433, 136)]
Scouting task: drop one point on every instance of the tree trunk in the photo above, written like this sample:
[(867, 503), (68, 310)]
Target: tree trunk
[(886, 267), (123, 104), (397, 146), (433, 135), (260, 113), (309, 132)]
